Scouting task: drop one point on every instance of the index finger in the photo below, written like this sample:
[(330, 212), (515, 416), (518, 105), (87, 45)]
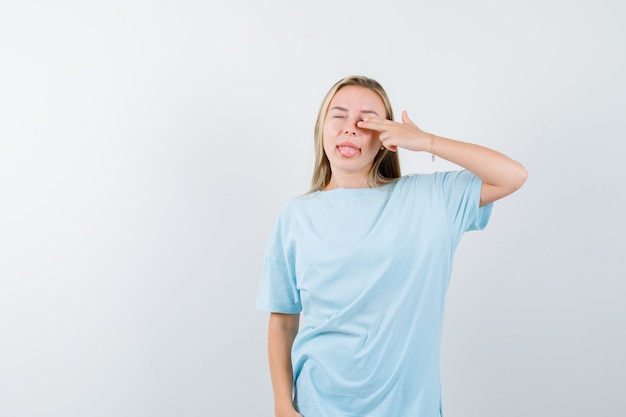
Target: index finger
[(373, 123)]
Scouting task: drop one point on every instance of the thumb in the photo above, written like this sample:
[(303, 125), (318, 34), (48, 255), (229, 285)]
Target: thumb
[(406, 120)]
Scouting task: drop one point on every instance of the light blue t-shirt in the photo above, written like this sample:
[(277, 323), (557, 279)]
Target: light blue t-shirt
[(369, 269)]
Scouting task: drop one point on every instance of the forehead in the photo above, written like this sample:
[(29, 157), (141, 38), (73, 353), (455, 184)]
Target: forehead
[(357, 98)]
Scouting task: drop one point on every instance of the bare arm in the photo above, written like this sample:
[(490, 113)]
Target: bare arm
[(282, 331), (500, 174)]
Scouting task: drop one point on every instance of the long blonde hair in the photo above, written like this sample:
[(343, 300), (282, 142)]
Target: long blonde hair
[(386, 165)]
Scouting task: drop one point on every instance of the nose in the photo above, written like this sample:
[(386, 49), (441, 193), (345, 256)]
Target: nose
[(350, 128)]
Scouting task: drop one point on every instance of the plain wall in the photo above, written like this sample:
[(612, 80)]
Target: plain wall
[(146, 147)]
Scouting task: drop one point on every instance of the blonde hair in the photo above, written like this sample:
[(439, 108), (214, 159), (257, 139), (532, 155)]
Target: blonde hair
[(386, 165)]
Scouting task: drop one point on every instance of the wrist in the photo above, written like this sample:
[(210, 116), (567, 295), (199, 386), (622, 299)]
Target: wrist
[(432, 146)]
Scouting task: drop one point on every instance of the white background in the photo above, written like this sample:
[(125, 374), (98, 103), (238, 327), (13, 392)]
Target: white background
[(146, 147)]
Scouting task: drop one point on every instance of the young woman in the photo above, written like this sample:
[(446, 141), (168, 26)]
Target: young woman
[(366, 256)]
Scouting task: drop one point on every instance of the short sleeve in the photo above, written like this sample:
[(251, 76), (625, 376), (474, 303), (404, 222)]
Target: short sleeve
[(461, 193), (278, 291)]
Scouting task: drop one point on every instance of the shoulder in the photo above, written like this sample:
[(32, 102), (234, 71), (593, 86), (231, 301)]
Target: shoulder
[(440, 183), (296, 205), (438, 177), (416, 180), (301, 201)]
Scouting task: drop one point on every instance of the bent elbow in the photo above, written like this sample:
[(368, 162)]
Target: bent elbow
[(517, 177), (520, 177)]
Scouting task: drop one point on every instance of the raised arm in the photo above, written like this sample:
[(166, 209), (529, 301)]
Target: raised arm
[(282, 331), (500, 174)]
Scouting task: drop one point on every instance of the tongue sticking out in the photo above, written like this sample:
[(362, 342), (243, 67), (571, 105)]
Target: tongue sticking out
[(347, 151)]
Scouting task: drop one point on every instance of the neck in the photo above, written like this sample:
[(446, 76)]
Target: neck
[(346, 181)]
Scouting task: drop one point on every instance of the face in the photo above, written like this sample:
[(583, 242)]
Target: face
[(350, 149)]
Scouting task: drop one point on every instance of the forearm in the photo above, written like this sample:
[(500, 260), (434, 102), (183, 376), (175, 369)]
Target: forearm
[(282, 331), (499, 174), (490, 166)]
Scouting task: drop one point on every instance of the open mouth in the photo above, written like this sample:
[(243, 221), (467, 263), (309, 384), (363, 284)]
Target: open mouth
[(348, 150)]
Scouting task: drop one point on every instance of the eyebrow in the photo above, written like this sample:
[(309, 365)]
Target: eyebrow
[(362, 111)]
